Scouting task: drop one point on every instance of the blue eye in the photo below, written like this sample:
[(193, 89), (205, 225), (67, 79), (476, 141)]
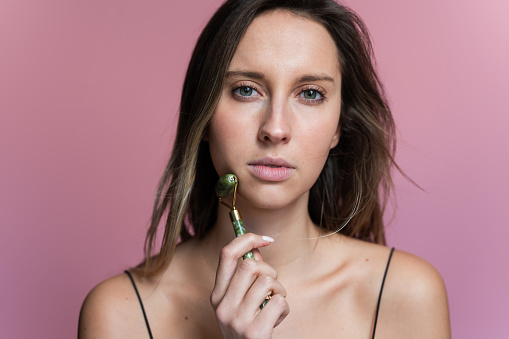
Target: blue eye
[(311, 94), (245, 91)]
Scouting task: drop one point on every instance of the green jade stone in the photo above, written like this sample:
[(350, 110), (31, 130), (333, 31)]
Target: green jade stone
[(238, 226), (225, 185)]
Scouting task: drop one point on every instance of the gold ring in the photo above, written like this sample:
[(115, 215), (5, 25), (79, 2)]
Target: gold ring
[(267, 298)]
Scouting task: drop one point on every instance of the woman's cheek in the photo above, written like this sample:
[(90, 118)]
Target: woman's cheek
[(224, 139)]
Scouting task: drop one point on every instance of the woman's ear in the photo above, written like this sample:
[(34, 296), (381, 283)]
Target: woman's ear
[(335, 138)]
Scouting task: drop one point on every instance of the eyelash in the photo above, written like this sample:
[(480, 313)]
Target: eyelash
[(318, 90)]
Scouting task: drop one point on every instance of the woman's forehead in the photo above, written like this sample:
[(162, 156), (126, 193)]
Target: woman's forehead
[(280, 41)]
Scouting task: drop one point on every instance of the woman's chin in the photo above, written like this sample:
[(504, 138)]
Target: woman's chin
[(271, 200)]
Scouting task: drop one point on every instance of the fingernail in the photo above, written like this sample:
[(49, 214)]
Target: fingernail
[(266, 238)]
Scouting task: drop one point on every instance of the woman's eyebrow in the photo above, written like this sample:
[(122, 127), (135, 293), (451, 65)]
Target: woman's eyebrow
[(245, 74), (261, 76), (317, 77)]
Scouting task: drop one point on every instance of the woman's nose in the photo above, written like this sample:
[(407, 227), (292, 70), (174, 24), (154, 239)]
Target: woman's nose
[(275, 126)]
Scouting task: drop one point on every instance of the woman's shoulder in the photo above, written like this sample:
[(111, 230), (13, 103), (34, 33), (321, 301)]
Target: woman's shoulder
[(414, 283), (111, 309), (403, 269), (173, 301), (413, 299), (413, 278), (414, 271), (405, 274)]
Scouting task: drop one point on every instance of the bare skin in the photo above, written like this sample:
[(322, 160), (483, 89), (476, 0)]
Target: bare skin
[(336, 299), (322, 288)]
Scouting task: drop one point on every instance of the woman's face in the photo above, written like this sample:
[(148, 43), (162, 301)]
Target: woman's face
[(279, 110)]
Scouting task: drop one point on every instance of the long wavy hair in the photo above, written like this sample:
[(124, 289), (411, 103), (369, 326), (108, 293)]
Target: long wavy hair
[(355, 183)]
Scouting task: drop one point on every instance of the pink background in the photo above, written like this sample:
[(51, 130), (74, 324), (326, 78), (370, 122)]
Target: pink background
[(88, 97)]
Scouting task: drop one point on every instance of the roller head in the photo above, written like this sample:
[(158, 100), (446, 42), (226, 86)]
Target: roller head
[(225, 185)]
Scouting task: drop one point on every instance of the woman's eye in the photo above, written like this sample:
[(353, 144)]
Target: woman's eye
[(311, 94), (245, 91)]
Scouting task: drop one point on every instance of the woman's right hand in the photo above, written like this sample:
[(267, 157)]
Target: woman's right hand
[(240, 289)]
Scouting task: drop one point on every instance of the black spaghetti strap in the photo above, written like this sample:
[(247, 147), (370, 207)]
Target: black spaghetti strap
[(141, 304), (380, 295)]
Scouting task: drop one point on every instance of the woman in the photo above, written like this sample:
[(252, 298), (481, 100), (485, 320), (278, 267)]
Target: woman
[(284, 95)]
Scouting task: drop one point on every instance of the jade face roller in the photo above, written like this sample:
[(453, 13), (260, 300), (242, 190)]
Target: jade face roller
[(225, 186)]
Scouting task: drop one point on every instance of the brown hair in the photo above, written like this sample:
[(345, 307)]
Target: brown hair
[(356, 180)]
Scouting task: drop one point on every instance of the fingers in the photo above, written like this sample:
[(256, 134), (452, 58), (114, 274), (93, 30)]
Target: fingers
[(251, 275), (241, 287), (244, 318), (246, 323), (229, 258), (274, 312), (263, 286)]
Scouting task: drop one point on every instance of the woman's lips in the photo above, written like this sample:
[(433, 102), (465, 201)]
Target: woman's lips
[(271, 169)]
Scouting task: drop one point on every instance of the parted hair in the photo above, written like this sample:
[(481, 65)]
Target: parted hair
[(353, 188)]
